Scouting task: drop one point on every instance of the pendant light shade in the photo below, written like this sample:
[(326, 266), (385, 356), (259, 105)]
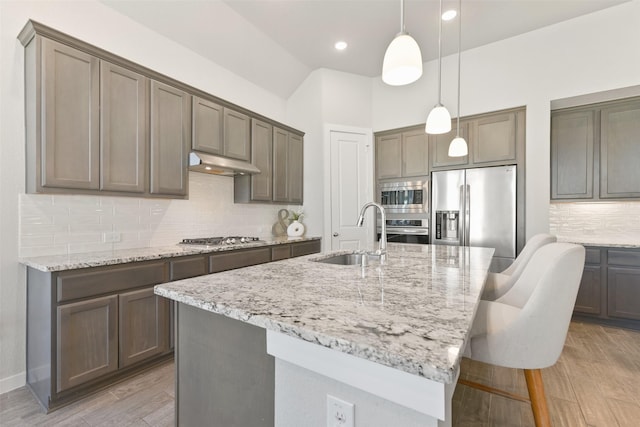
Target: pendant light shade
[(402, 62), (458, 147), (439, 119)]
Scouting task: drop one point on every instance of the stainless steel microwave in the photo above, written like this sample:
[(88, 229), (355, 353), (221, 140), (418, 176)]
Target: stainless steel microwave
[(404, 196)]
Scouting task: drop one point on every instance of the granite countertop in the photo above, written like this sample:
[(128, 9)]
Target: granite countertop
[(122, 256), (599, 242), (412, 314)]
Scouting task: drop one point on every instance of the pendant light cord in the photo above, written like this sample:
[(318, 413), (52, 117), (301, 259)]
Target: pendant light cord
[(440, 56), (459, 55), (402, 16)]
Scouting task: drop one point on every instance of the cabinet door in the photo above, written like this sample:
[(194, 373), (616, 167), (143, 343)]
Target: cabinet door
[(144, 326), (237, 133), (123, 129), (87, 341), (623, 292), (415, 153), (572, 155), (588, 299), (389, 156), (207, 126), (295, 168), (280, 154), (493, 139), (439, 145), (70, 149), (620, 151), (262, 157), (170, 139)]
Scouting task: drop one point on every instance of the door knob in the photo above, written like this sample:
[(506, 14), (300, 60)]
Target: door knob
[(336, 234)]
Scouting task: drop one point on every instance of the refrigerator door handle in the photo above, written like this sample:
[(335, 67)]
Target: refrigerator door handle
[(462, 218), (467, 214)]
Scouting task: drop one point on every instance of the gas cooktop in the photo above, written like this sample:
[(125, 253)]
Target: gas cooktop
[(220, 241)]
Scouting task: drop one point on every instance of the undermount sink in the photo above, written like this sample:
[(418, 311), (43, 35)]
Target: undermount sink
[(342, 259)]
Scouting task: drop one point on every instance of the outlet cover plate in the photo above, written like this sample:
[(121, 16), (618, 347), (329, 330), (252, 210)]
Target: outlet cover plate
[(339, 412)]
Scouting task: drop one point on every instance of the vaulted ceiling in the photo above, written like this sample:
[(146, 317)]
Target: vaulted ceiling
[(277, 43)]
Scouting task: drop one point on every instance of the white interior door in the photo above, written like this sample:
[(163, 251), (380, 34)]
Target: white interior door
[(351, 174)]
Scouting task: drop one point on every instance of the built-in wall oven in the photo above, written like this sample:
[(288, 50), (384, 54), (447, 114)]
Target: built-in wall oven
[(406, 205)]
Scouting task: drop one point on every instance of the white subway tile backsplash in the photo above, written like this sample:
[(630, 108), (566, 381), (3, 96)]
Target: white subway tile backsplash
[(64, 224), (604, 222)]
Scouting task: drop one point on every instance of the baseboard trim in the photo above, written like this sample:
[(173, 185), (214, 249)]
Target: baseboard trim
[(13, 382)]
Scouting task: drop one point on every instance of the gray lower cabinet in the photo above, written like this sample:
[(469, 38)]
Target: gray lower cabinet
[(87, 341), (143, 319), (610, 289), (595, 151), (170, 139)]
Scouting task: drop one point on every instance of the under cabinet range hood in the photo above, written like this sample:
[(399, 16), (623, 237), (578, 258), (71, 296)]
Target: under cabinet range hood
[(217, 165)]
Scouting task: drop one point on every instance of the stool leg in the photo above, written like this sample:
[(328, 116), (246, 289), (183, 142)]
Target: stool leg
[(538, 400)]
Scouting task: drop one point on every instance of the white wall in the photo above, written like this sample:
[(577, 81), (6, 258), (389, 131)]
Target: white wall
[(592, 53), (209, 209)]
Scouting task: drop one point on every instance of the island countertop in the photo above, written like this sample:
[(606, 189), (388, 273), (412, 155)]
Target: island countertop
[(412, 313)]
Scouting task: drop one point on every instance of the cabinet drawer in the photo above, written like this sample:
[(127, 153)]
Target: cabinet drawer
[(86, 283), (280, 252), (183, 268), (305, 248), (235, 259), (623, 292), (592, 256), (626, 258)]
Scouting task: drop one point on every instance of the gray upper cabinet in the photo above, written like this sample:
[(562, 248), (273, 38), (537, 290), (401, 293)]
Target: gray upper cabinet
[(287, 167), (170, 139), (389, 156), (620, 151), (123, 129), (572, 155), (440, 148), (595, 151), (207, 126), (415, 153), (278, 154), (69, 146), (403, 154), (262, 157), (237, 135), (493, 138)]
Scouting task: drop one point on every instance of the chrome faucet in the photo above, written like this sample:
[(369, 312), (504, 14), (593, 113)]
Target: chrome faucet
[(382, 244)]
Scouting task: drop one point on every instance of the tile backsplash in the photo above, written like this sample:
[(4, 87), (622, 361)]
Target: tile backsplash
[(64, 224), (597, 223)]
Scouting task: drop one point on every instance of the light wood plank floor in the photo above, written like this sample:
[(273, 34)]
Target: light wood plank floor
[(596, 382)]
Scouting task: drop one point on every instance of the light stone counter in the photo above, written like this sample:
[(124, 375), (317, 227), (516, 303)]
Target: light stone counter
[(122, 256), (601, 242), (411, 314)]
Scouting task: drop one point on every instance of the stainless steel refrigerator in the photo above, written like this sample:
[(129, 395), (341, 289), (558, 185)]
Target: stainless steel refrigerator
[(476, 207)]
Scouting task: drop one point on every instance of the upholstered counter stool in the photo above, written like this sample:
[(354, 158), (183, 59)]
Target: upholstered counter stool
[(531, 336), (499, 283)]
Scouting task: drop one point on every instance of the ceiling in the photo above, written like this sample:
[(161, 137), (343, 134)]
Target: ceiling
[(275, 44)]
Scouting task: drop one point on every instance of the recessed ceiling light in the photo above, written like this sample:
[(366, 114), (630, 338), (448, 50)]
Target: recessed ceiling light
[(341, 45), (449, 15)]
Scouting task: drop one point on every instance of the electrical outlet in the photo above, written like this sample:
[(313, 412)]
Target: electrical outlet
[(339, 412), (111, 237)]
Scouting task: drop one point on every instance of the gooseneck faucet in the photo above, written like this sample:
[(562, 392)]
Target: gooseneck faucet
[(382, 244)]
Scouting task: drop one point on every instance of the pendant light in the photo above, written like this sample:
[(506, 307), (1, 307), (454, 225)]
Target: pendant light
[(402, 62), (439, 119), (458, 146)]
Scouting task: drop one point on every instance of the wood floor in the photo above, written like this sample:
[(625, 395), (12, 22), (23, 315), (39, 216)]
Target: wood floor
[(596, 382)]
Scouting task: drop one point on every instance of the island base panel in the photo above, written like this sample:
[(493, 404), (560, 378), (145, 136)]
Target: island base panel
[(224, 375)]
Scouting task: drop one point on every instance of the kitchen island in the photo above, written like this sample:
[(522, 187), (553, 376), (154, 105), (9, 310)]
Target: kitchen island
[(265, 345)]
